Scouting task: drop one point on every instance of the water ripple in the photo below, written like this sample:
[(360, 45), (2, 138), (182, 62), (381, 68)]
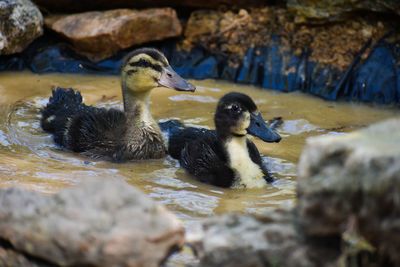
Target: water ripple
[(197, 98)]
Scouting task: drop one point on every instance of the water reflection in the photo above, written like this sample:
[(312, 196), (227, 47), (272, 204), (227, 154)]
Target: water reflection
[(294, 127)]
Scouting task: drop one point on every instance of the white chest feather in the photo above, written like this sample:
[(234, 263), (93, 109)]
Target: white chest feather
[(248, 174)]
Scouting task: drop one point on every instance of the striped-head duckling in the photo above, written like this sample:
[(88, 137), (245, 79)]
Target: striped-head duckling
[(131, 134), (225, 157)]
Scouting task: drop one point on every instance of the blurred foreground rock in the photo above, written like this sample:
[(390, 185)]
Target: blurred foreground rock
[(245, 240), (97, 223), (99, 35), (350, 186), (20, 23), (331, 10)]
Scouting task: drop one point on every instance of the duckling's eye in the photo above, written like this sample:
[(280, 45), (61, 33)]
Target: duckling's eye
[(235, 108)]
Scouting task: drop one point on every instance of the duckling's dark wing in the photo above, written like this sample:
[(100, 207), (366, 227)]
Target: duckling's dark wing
[(81, 128), (256, 158), (176, 133), (205, 159), (179, 139), (171, 126), (179, 136), (97, 133)]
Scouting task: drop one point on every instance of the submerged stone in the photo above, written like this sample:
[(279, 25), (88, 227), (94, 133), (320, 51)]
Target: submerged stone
[(99, 35), (351, 183), (20, 23), (96, 223)]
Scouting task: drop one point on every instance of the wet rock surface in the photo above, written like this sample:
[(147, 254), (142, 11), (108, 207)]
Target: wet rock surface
[(232, 33), (101, 34), (356, 59), (351, 184), (20, 23), (96, 223)]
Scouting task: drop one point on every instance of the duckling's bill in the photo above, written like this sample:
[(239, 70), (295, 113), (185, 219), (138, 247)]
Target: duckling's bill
[(171, 79), (258, 127)]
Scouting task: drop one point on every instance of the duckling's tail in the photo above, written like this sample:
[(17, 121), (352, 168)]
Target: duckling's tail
[(63, 104)]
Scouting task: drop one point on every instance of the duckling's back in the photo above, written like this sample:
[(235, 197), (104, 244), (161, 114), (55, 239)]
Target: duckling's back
[(75, 126)]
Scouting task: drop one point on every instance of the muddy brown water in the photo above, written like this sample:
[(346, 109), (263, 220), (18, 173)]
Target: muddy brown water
[(30, 159)]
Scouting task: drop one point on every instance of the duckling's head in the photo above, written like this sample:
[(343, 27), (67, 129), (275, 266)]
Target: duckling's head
[(237, 115), (147, 68)]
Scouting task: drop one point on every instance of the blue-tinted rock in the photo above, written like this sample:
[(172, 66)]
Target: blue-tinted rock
[(378, 77)]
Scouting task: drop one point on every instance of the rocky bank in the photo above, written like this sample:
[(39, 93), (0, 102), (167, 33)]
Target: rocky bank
[(346, 50)]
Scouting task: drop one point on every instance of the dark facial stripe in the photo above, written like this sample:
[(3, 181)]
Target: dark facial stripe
[(129, 72), (156, 55), (145, 64)]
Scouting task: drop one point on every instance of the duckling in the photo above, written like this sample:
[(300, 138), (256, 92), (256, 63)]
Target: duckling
[(224, 157), (111, 134)]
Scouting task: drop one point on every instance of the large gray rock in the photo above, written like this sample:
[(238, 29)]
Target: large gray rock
[(100, 34), (351, 183), (97, 223), (245, 240), (331, 10), (20, 23)]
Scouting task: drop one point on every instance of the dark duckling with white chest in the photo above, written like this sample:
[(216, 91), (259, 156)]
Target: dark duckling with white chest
[(224, 157), (111, 134)]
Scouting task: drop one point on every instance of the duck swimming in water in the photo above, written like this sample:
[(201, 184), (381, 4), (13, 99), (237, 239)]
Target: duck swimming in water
[(224, 157), (131, 134)]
